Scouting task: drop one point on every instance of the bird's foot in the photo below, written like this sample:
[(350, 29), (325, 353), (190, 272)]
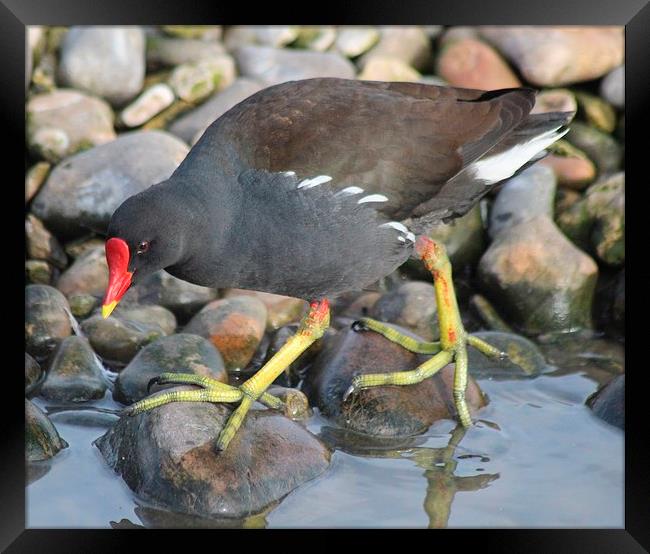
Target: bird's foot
[(311, 328), (452, 346)]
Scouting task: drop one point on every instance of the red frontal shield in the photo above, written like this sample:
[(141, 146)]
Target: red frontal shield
[(119, 278)]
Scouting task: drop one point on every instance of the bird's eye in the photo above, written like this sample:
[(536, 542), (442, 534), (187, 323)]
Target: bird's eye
[(143, 247)]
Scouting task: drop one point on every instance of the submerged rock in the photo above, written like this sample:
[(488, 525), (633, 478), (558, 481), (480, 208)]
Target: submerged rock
[(525, 359), (181, 353), (75, 374), (167, 456), (234, 325), (83, 191), (609, 402), (538, 278), (64, 121), (129, 329), (106, 61), (271, 66), (42, 441), (47, 321), (387, 410)]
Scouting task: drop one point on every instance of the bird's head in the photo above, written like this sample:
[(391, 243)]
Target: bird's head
[(143, 237)]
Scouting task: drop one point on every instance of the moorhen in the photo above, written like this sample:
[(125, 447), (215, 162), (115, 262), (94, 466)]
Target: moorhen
[(317, 187)]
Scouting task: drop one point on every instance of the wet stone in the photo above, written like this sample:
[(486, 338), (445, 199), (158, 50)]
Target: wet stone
[(525, 359), (76, 248), (190, 126), (411, 305), (167, 456), (181, 298), (234, 325), (33, 373), (180, 353), (83, 191), (609, 402), (106, 61), (46, 320), (386, 410), (538, 278), (296, 403), (65, 121), (75, 373), (42, 441), (523, 197), (281, 310), (41, 244), (271, 66), (471, 63), (119, 338), (88, 274)]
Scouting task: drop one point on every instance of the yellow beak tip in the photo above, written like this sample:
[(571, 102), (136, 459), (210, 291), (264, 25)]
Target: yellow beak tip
[(107, 309)]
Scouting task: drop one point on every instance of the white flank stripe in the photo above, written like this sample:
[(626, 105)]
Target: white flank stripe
[(496, 168), (396, 225), (372, 198), (309, 183), (348, 191), (290, 173), (410, 236)]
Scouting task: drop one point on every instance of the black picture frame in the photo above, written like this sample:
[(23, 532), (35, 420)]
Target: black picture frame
[(17, 14)]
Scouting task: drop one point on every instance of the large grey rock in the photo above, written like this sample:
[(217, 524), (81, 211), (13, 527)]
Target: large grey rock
[(42, 441), (181, 353), (190, 126), (167, 456), (33, 373), (75, 374), (47, 321), (63, 122), (271, 66), (609, 402), (106, 61), (82, 192), (529, 194), (538, 278)]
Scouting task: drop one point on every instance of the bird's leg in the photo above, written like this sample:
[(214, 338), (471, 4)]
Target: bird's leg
[(453, 337), (311, 329)]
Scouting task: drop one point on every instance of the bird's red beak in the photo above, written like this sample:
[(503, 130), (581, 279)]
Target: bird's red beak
[(119, 279)]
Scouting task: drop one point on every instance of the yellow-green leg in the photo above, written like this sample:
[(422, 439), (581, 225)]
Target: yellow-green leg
[(453, 337), (311, 329)]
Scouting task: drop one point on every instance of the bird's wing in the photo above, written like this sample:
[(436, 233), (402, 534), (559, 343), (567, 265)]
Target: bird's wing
[(402, 140)]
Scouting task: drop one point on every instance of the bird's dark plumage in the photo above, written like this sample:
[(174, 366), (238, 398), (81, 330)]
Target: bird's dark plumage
[(270, 197)]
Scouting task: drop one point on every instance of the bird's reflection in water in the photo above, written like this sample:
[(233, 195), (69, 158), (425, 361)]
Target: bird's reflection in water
[(155, 518), (439, 465)]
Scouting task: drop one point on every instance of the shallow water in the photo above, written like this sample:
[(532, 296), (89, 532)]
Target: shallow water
[(537, 458)]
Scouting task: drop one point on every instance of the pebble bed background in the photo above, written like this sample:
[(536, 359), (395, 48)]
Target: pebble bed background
[(539, 268)]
